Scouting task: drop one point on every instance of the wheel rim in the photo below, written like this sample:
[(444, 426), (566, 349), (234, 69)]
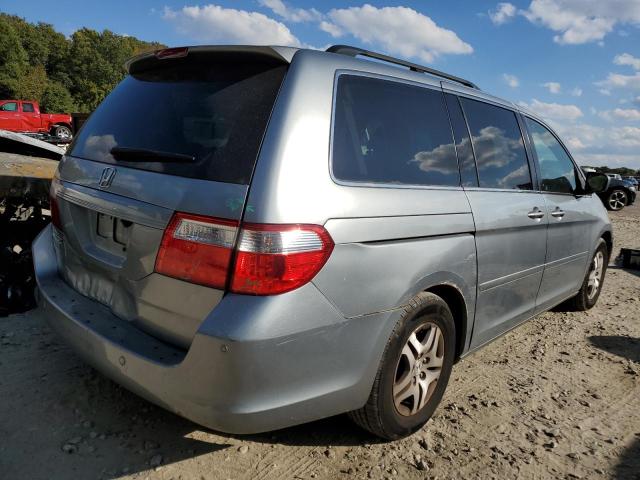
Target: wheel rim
[(595, 275), (418, 369), (63, 132), (617, 200)]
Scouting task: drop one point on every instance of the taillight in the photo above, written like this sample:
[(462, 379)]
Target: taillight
[(275, 259), (270, 259), (54, 208), (197, 249), (55, 213)]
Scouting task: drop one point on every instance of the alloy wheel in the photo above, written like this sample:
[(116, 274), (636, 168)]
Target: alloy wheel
[(595, 275), (418, 369), (617, 200)]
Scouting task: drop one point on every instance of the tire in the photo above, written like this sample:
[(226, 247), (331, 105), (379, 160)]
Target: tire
[(587, 296), (382, 415), (63, 132), (616, 200)]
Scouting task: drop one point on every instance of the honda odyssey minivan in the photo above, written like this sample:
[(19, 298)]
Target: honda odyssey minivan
[(257, 237)]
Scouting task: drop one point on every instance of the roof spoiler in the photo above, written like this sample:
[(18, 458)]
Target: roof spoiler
[(359, 52), (149, 59)]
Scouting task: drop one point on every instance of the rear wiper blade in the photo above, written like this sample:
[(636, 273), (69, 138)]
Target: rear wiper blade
[(144, 155)]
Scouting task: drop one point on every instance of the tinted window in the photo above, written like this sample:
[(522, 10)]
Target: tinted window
[(498, 145), (390, 132), (212, 111), (463, 143), (27, 107), (556, 168), (9, 107)]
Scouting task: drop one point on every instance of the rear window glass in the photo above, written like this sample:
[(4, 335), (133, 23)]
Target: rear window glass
[(213, 112), (393, 133), (499, 148)]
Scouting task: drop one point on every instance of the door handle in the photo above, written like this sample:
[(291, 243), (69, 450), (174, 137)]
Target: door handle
[(535, 214), (557, 213)]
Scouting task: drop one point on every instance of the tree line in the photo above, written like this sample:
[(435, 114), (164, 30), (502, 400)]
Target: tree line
[(63, 74)]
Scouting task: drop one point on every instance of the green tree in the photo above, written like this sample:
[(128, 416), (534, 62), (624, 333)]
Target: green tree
[(32, 84), (38, 63), (57, 99), (14, 61)]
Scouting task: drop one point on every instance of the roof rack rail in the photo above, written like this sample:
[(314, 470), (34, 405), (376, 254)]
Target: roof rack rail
[(355, 51)]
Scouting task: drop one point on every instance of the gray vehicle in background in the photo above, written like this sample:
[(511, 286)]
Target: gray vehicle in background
[(257, 237)]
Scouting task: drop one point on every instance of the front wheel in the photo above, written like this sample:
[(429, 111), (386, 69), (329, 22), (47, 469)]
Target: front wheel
[(414, 370), (617, 199), (62, 132)]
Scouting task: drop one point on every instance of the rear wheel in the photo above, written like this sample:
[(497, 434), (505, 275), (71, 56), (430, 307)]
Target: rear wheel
[(617, 199), (414, 370), (592, 284), (62, 132)]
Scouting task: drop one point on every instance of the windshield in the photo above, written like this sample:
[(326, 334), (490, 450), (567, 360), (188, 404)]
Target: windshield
[(214, 112)]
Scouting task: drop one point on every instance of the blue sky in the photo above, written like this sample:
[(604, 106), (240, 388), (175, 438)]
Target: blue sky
[(575, 62)]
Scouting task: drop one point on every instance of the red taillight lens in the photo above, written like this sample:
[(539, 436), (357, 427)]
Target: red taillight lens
[(55, 210), (54, 206), (270, 259), (274, 259), (197, 249)]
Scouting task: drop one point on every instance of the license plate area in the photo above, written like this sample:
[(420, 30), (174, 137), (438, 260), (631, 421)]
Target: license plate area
[(112, 233)]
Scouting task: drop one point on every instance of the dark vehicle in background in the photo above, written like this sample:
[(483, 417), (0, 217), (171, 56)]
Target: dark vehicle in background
[(633, 181), (618, 194)]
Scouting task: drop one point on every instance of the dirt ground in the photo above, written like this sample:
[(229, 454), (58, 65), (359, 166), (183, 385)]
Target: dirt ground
[(558, 397)]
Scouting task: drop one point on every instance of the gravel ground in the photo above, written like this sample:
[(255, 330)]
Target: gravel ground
[(558, 397)]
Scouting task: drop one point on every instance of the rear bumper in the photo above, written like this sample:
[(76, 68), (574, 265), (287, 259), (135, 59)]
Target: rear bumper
[(255, 364)]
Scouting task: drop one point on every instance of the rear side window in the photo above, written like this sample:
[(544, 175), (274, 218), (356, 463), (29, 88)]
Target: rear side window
[(27, 107), (393, 133), (557, 172), (211, 111), (498, 145)]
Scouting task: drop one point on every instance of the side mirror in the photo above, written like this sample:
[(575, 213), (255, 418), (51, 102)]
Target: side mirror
[(597, 182)]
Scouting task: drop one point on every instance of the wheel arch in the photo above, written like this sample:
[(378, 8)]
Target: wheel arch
[(607, 236), (456, 302)]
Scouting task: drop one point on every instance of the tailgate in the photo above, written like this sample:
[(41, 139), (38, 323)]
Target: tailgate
[(179, 135)]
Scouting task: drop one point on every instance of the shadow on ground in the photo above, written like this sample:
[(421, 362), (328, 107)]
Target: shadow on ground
[(628, 468), (626, 347)]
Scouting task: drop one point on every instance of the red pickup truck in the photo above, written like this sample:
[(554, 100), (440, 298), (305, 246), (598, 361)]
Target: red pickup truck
[(24, 116)]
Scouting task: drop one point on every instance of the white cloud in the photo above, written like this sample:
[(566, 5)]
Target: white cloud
[(582, 21), (331, 29), (554, 111), (624, 114), (291, 14), (212, 23), (511, 80), (398, 30), (616, 80), (503, 13), (595, 145), (553, 87), (627, 59), (576, 92)]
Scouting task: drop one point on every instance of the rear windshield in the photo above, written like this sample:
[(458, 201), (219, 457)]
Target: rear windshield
[(213, 112)]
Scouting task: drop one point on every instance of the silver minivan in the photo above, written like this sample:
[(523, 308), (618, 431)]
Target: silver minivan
[(257, 237)]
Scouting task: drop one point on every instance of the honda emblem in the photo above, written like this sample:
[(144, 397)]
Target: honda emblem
[(107, 177)]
